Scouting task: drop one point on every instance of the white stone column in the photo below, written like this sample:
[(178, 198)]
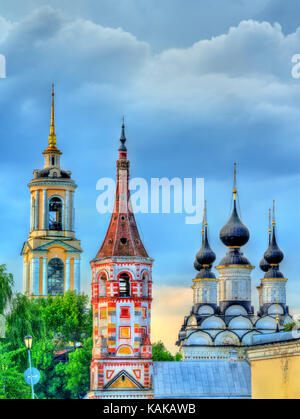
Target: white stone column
[(35, 276), (31, 269), (67, 220), (77, 275), (45, 275), (36, 210), (31, 213), (73, 212), (68, 262), (45, 210)]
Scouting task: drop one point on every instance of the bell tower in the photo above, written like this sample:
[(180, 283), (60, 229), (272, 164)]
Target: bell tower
[(121, 296), (51, 255)]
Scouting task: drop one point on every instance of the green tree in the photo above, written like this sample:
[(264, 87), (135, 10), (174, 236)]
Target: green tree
[(52, 322), (66, 317), (12, 383), (78, 370), (291, 326), (160, 353), (6, 284), (24, 319)]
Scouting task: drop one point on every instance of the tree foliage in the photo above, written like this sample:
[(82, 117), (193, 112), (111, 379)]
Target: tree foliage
[(160, 353), (12, 384), (292, 326), (53, 323), (6, 284), (78, 370)]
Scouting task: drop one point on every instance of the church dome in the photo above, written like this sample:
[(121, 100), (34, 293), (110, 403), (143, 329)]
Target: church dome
[(205, 273), (234, 233), (234, 257), (273, 273), (273, 255), (205, 256), (264, 265), (197, 265)]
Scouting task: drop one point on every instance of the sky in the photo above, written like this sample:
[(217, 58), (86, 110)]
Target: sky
[(201, 85)]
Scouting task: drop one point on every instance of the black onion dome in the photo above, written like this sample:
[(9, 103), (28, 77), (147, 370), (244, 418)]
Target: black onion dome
[(274, 255), (205, 256), (234, 233), (274, 273), (205, 273), (264, 265), (197, 265), (234, 257)]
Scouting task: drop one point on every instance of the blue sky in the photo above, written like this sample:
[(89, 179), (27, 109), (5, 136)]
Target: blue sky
[(201, 85)]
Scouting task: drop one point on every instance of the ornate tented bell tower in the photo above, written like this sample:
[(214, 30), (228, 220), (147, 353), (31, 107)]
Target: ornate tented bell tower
[(121, 296), (51, 255)]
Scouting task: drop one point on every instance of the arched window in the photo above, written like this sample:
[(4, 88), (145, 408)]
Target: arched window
[(55, 214), (56, 277), (145, 284), (102, 285), (124, 281)]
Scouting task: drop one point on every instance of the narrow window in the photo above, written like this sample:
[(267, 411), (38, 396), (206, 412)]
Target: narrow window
[(102, 286), (55, 214), (56, 274), (124, 281), (145, 284)]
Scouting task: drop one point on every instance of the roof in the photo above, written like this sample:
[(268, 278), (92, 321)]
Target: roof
[(202, 379), (122, 237), (271, 338)]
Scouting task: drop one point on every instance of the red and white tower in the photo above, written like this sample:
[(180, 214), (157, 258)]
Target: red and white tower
[(121, 296)]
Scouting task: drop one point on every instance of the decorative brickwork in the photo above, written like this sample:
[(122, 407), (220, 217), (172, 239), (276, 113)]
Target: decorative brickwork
[(121, 297)]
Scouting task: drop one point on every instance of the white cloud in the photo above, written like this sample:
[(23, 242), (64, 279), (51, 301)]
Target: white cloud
[(5, 27)]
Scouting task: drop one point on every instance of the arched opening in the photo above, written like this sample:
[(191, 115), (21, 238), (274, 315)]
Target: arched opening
[(102, 285), (145, 284), (124, 281), (55, 214), (56, 277)]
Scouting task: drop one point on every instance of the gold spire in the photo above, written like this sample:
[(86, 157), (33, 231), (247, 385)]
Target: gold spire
[(234, 183), (273, 222), (205, 213), (270, 222), (52, 136), (203, 220)]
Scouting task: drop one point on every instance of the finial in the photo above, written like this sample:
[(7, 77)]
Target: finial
[(52, 136), (273, 222), (205, 213), (203, 221), (234, 183), (270, 222), (123, 137)]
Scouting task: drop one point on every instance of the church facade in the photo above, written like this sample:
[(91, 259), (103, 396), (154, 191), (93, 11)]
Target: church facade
[(222, 318), (51, 255), (121, 297)]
